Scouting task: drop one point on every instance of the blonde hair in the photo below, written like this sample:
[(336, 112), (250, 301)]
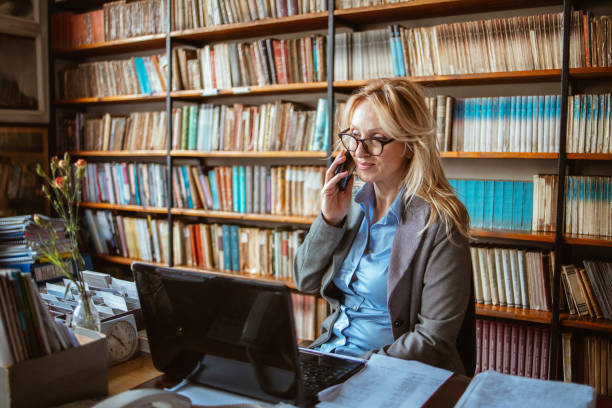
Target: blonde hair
[(402, 111)]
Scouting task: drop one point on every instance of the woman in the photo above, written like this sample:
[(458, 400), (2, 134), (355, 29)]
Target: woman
[(394, 263)]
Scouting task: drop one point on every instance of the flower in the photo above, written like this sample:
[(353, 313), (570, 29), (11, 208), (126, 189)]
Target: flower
[(59, 182), (80, 164)]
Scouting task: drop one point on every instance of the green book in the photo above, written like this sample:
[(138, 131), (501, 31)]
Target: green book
[(193, 127), (184, 127)]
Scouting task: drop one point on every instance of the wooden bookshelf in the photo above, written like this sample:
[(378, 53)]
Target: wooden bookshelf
[(257, 155), (591, 72), (131, 208), (515, 235), (535, 316), (122, 260), (267, 27), (428, 8), (589, 156), (25, 155), (285, 219), (588, 240), (157, 97), (301, 87), (118, 153), (585, 323), (132, 44), (257, 277), (497, 155)]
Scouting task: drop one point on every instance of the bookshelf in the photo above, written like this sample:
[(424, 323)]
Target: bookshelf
[(354, 20)]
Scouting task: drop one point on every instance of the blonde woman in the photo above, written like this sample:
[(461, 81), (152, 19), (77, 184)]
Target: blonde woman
[(393, 263)]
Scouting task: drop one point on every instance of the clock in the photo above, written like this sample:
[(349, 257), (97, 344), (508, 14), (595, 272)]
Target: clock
[(121, 338)]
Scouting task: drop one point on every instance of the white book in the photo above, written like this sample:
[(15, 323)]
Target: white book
[(492, 275), (554, 147), (569, 139), (523, 279), (478, 291), (516, 280), (541, 115), (509, 278), (502, 279)]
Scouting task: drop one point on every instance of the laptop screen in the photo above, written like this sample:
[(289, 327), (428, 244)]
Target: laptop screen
[(229, 333)]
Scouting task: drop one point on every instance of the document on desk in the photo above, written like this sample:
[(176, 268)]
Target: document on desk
[(386, 382), (493, 389)]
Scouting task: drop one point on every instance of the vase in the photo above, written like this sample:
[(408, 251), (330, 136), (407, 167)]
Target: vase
[(85, 314)]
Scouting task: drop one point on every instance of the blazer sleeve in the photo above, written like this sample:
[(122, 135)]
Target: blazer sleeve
[(315, 254), (443, 305)]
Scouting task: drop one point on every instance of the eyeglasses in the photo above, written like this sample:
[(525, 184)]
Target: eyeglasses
[(372, 146)]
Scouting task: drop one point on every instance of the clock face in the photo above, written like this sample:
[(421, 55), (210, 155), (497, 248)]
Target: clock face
[(122, 341)]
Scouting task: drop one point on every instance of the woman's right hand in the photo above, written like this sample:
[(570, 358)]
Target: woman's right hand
[(335, 203)]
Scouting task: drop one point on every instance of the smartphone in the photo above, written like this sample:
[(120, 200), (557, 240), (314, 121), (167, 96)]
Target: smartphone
[(348, 165)]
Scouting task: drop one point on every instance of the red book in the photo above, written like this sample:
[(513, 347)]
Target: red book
[(229, 188), (499, 348), (507, 352), (97, 26), (492, 344), (478, 345), (281, 69), (484, 357), (545, 357), (537, 343), (522, 337), (194, 245), (529, 351), (198, 245), (514, 349), (120, 228)]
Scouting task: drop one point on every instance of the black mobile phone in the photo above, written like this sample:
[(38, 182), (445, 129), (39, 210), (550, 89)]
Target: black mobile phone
[(348, 165)]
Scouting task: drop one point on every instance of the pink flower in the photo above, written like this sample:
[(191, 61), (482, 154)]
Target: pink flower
[(54, 159), (80, 164), (60, 182), (63, 164)]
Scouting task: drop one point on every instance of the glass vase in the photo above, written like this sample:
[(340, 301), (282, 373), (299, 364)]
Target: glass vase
[(85, 314)]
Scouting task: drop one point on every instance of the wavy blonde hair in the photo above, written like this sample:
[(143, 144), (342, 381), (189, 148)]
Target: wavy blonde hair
[(402, 111)]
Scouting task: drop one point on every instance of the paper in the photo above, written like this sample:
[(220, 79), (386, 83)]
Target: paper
[(209, 397), (130, 287), (386, 382), (493, 389), (114, 301)]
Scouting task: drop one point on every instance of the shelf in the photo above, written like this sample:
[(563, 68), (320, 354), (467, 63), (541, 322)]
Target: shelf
[(497, 155), (256, 277), (592, 72), (119, 207), (118, 153), (267, 27), (428, 8), (132, 44), (585, 323), (535, 316), (121, 260), (288, 219), (588, 240), (515, 235), (157, 97), (589, 156), (300, 87), (24, 155), (240, 154)]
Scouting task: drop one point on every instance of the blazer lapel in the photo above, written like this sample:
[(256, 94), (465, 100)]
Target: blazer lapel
[(407, 240)]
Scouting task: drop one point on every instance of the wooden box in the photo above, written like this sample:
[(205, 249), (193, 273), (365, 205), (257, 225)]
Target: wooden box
[(70, 375)]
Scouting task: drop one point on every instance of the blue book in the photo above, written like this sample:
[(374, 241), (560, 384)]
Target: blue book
[(530, 122), (227, 247), (479, 204), (470, 196), (235, 251), (393, 50), (242, 189), (399, 50), (235, 189), (498, 202), (184, 170), (136, 187), (487, 217), (213, 190), (453, 184), (318, 141), (143, 78), (507, 205), (462, 191), (517, 205)]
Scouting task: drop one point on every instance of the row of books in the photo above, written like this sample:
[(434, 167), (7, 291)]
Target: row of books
[(588, 205), (587, 290), (305, 314), (138, 131), (512, 348), (27, 329), (586, 359), (458, 48), (267, 127), (126, 184), (497, 204), (588, 123), (506, 124), (204, 13), (114, 21), (441, 109), (18, 183), (262, 62), (598, 40), (512, 277), (346, 4), (133, 76), (279, 190)]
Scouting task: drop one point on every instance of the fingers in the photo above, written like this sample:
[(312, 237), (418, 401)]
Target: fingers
[(331, 185)]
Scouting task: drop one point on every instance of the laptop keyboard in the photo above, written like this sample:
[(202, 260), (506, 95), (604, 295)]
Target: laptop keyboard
[(319, 373)]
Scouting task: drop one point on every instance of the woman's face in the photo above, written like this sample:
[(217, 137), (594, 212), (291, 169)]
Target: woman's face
[(388, 168)]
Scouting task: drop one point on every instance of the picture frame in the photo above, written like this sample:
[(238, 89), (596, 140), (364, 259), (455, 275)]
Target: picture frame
[(24, 67)]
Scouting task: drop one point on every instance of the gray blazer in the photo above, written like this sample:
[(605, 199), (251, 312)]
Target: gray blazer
[(428, 285)]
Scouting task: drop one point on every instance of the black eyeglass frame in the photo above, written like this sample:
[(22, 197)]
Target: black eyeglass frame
[(365, 147)]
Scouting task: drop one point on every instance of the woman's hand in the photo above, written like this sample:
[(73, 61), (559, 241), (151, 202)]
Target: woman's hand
[(335, 203)]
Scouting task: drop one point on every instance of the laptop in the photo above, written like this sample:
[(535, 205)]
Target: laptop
[(234, 334)]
